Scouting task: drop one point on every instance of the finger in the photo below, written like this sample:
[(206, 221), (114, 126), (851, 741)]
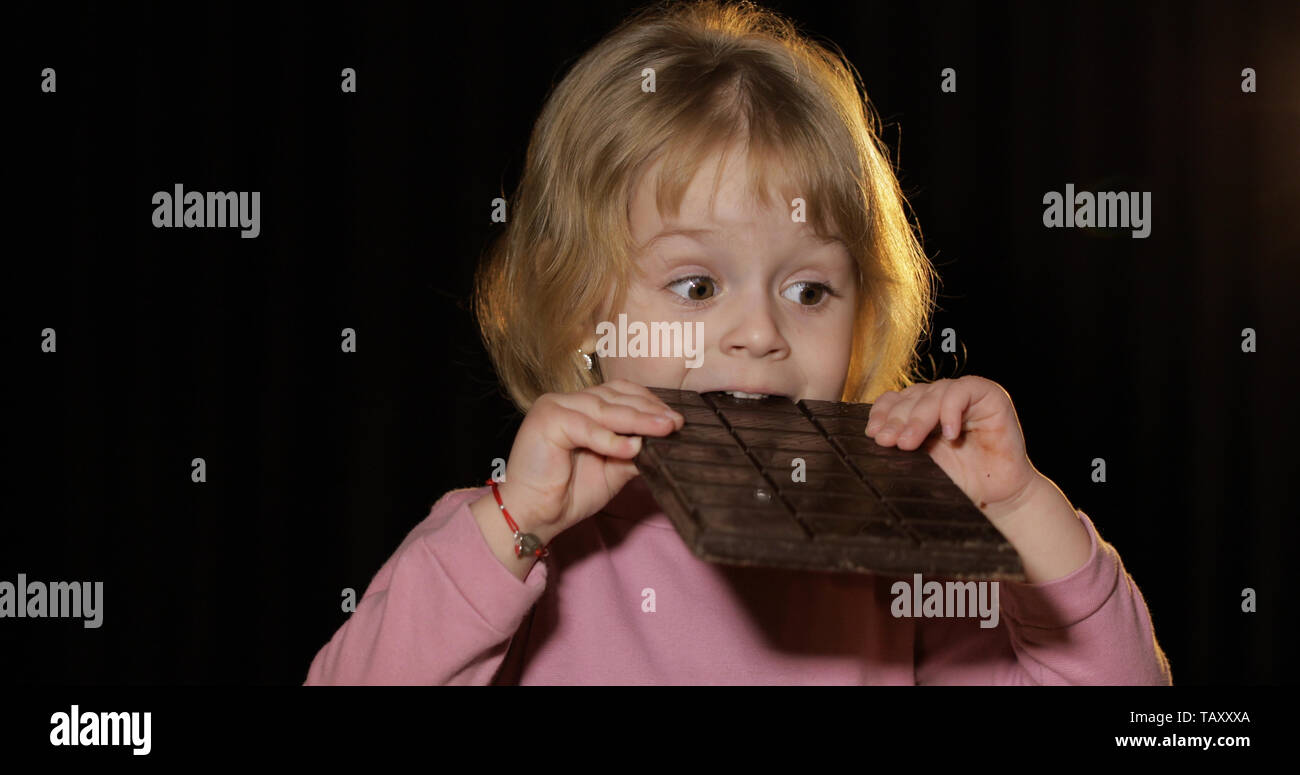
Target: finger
[(924, 415), (644, 401), (628, 387), (880, 410), (637, 395), (897, 417), (619, 418), (619, 473), (970, 403), (954, 405), (575, 430)]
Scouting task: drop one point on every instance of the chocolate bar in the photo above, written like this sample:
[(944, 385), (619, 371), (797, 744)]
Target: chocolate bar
[(771, 482)]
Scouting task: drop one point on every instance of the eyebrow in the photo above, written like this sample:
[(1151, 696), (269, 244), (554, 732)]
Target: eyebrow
[(696, 235)]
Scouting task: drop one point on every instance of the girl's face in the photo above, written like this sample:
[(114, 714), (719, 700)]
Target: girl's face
[(758, 282)]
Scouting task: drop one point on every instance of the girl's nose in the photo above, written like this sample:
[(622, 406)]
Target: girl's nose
[(751, 328)]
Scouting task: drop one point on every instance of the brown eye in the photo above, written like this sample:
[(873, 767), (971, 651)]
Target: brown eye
[(700, 288), (809, 294)]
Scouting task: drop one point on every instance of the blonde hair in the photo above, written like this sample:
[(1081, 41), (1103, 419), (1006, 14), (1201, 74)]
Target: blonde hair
[(723, 73)]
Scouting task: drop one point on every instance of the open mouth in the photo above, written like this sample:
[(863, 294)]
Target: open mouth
[(743, 394)]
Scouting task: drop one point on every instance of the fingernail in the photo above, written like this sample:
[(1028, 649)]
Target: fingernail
[(949, 432)]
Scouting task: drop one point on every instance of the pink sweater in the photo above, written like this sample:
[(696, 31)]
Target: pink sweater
[(443, 610)]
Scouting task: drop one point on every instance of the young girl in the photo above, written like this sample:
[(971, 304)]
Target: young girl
[(704, 163)]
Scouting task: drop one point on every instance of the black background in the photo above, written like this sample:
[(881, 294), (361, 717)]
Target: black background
[(182, 343)]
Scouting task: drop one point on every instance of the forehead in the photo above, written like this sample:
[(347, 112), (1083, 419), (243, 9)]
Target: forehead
[(730, 203)]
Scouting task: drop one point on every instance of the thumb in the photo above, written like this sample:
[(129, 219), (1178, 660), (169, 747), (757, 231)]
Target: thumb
[(619, 473)]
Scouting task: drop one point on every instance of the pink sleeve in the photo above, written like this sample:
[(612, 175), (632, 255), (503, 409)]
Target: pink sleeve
[(1090, 627), (442, 610)]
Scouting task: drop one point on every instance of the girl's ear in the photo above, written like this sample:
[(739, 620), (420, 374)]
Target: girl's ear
[(587, 339), (587, 335)]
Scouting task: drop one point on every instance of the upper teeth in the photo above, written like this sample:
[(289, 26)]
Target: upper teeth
[(740, 394)]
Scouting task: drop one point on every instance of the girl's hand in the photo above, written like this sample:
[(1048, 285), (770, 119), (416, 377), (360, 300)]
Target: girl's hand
[(568, 460), (980, 444)]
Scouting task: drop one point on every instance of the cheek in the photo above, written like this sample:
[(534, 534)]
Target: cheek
[(839, 348)]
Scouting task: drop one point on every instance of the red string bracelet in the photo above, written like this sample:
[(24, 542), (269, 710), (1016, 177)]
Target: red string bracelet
[(524, 542)]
